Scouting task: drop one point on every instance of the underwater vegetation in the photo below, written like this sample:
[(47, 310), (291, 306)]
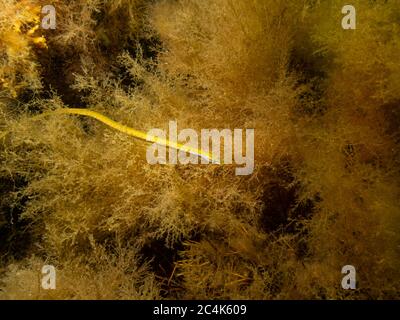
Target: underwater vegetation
[(325, 190)]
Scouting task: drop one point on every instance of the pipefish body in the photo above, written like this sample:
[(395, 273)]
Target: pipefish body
[(127, 130)]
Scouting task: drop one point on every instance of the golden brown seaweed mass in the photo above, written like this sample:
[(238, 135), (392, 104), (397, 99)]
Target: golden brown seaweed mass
[(325, 193)]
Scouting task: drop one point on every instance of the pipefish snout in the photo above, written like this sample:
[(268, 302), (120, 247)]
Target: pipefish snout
[(125, 129)]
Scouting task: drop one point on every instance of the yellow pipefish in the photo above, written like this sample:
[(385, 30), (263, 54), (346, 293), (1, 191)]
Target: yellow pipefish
[(129, 131)]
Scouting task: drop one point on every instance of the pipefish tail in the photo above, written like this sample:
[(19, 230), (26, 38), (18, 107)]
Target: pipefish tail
[(127, 130)]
